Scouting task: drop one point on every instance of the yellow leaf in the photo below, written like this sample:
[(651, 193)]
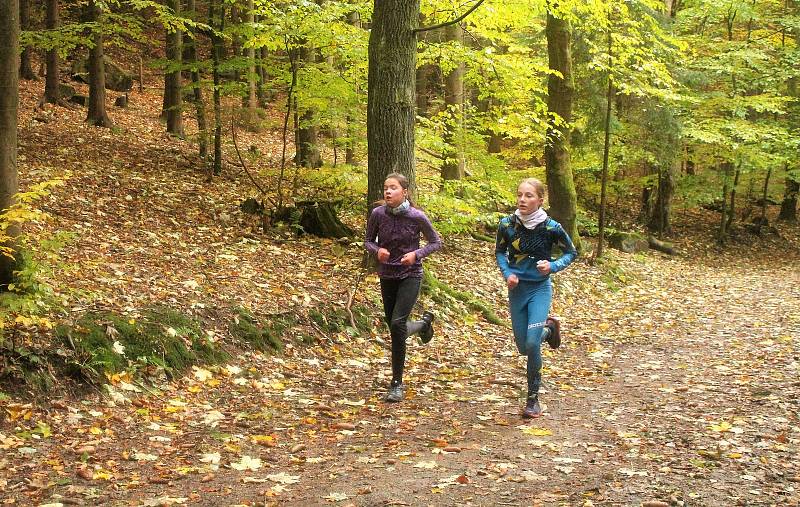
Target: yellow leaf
[(267, 440), (721, 427), (539, 432)]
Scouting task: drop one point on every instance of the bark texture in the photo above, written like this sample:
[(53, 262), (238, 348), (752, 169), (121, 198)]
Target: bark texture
[(9, 102), (391, 95), (560, 91)]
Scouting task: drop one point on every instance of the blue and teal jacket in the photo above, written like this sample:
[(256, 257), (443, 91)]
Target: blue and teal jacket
[(518, 249)]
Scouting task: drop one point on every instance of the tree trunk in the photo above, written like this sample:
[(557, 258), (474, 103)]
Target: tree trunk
[(453, 166), (789, 203), (307, 134), (51, 91), (25, 68), (732, 207), (216, 55), (97, 115), (199, 105), (9, 102), (252, 78), (173, 97), (390, 95), (350, 146), (658, 209), (560, 184), (723, 223), (601, 225)]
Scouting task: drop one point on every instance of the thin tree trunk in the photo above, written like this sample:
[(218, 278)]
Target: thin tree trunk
[(601, 225), (52, 93), (350, 145), (25, 68), (390, 96), (199, 104), (9, 102), (216, 52), (97, 115), (307, 152), (252, 78), (173, 97), (764, 195), (560, 90), (732, 207), (789, 203), (726, 167), (453, 166)]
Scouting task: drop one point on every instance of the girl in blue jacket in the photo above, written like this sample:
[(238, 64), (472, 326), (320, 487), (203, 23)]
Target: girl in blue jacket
[(523, 249)]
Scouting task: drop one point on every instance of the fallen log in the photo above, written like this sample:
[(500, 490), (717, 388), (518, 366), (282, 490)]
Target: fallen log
[(661, 246)]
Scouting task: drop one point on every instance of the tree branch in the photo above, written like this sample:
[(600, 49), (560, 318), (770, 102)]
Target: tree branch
[(448, 23)]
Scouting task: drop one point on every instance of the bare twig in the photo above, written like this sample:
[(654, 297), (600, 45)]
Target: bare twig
[(451, 22), (351, 296), (244, 166)]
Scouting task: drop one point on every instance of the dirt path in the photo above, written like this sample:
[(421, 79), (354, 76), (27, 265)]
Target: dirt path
[(681, 391)]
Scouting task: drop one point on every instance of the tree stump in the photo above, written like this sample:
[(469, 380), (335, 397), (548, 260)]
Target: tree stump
[(320, 219), (628, 242)]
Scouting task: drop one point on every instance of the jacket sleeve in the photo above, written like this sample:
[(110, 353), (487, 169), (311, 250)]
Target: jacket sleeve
[(432, 238), (501, 250), (569, 252), (371, 235)]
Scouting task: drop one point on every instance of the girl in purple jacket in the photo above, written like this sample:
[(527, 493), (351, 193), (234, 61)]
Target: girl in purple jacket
[(393, 233)]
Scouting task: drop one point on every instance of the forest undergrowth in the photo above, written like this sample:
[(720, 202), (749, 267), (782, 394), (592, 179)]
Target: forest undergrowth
[(676, 385)]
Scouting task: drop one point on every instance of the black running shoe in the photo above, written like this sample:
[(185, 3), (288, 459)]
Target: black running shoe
[(426, 334), (532, 408), (396, 393), (554, 338)]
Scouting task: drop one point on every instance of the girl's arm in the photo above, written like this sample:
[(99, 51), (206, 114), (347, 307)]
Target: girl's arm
[(501, 249), (570, 253), (434, 241), (371, 234)]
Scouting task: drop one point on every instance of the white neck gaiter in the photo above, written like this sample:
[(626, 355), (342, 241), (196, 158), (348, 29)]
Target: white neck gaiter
[(532, 220)]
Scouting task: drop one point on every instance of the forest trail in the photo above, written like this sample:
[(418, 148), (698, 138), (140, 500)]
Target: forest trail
[(680, 386), (677, 381)]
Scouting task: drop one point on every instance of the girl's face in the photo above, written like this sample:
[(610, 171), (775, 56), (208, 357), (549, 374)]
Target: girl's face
[(528, 199), (393, 193)]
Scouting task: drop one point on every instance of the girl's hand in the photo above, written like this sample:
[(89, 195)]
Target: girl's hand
[(512, 281), (408, 259), (543, 267), (383, 255)]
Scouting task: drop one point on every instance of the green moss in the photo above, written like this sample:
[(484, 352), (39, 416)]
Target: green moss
[(161, 337), (440, 292), (266, 337)]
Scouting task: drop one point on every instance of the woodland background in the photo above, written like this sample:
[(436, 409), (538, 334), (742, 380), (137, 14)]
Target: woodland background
[(184, 184)]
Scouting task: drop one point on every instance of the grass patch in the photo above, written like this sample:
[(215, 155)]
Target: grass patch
[(104, 342), (266, 336), (337, 320), (440, 292)]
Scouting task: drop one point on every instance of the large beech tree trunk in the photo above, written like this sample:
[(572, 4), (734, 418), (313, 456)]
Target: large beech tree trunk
[(9, 101), (25, 69), (391, 93), (453, 166), (173, 98), (51, 91), (560, 184), (97, 74)]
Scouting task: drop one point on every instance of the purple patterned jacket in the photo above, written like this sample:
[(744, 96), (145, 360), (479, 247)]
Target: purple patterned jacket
[(400, 234)]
